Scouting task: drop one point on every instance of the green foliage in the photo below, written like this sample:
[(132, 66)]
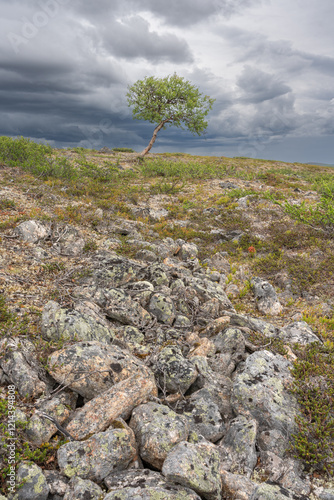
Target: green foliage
[(182, 169), (6, 203), (313, 385), (38, 159), (319, 216), (169, 101), (123, 150)]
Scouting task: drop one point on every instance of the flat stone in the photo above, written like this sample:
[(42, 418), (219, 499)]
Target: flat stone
[(98, 456), (116, 402), (267, 491), (195, 466), (157, 429)]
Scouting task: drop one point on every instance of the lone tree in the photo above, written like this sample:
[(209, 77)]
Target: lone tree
[(169, 101)]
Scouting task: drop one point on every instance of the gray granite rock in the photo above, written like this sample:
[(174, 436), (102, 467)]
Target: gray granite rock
[(157, 429), (173, 371), (237, 448), (83, 489), (60, 323), (260, 391), (230, 351), (145, 485), (162, 308), (236, 486), (196, 466), (39, 429), (266, 298), (98, 456), (33, 485), (18, 362), (298, 332), (31, 231), (203, 414), (90, 368), (57, 483), (267, 491)]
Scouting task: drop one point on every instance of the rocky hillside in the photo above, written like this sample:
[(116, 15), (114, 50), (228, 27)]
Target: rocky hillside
[(166, 326)]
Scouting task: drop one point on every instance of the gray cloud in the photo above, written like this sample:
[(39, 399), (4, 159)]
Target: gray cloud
[(259, 86), (132, 38)]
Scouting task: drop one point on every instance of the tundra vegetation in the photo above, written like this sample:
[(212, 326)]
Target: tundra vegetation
[(286, 234)]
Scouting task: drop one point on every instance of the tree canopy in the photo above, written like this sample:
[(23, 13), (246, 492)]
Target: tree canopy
[(169, 101)]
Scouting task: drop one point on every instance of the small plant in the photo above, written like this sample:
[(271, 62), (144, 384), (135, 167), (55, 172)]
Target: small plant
[(313, 386), (123, 150)]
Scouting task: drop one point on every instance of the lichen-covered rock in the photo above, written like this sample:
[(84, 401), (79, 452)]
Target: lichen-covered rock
[(230, 351), (195, 466), (115, 270), (219, 386), (141, 290), (21, 368), (157, 429), (188, 251), (267, 491), (98, 456), (162, 308), (31, 231), (237, 448), (145, 485), (116, 402), (33, 485), (90, 368), (272, 440), (266, 298), (57, 483), (39, 429), (298, 332), (83, 489), (59, 323), (261, 392), (203, 414), (236, 486), (157, 274), (287, 473), (123, 308), (207, 290), (324, 493), (173, 371)]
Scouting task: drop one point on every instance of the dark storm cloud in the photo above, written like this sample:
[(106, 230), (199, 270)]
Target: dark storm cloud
[(132, 38), (259, 86)]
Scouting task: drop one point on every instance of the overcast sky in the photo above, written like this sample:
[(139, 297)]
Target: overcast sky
[(65, 66)]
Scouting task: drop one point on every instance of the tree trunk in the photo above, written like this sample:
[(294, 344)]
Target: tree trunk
[(152, 141)]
